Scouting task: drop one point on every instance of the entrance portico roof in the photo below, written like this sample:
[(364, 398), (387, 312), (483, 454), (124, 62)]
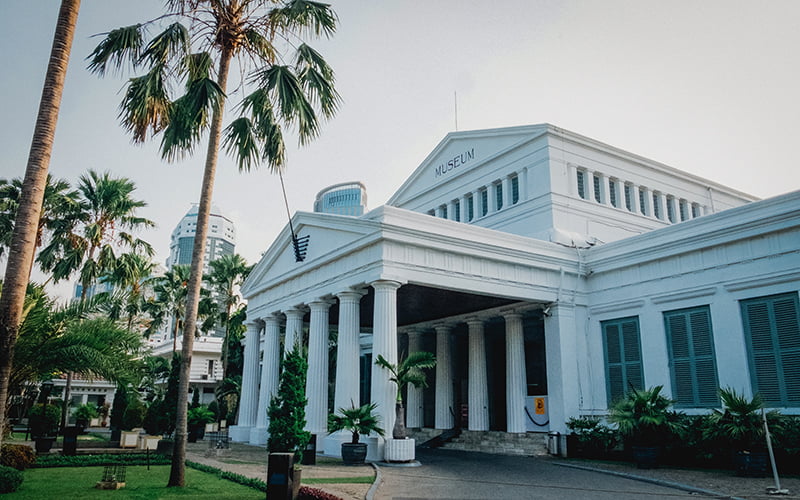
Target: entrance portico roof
[(391, 243)]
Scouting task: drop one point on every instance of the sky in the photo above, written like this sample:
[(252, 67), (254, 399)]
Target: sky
[(708, 87)]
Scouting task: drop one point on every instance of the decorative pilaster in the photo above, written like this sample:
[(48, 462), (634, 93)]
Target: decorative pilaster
[(476, 204), (414, 395), (317, 378), (444, 379), (515, 374), (478, 390), (384, 342), (465, 209), (294, 329), (270, 364), (561, 344), (506, 192)]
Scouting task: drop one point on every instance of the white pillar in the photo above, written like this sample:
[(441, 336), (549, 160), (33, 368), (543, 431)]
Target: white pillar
[(384, 343), (506, 192), (465, 208), (476, 204), (516, 389), (562, 380), (249, 395), (270, 365), (414, 395), (444, 379), (294, 329), (317, 377), (478, 390), (347, 392)]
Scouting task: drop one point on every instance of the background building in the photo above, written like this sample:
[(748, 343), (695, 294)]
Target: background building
[(221, 238), (347, 198)]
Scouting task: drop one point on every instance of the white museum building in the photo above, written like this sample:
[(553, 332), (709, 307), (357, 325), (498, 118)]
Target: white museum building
[(548, 272)]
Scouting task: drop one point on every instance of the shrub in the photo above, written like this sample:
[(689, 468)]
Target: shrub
[(10, 479), (18, 456), (44, 419), (592, 434), (307, 493), (134, 414), (85, 412), (287, 410), (250, 482), (46, 461)]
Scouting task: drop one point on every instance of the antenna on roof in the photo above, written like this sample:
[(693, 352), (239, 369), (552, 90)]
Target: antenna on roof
[(300, 243)]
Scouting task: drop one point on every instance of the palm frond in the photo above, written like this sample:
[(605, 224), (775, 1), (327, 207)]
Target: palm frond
[(120, 46), (198, 66), (173, 42), (305, 16), (146, 105), (240, 142)]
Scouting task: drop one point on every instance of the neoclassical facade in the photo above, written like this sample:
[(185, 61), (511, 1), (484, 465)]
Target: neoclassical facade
[(548, 272)]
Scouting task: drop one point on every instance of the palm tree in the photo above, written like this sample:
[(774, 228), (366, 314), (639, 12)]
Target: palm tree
[(225, 277), (409, 371), (23, 241), (169, 303), (60, 201), (283, 94), (131, 277), (89, 243)]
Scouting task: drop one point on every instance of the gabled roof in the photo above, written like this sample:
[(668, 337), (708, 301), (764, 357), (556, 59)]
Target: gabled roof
[(466, 145)]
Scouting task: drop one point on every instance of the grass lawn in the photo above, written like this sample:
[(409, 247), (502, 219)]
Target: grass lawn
[(78, 483)]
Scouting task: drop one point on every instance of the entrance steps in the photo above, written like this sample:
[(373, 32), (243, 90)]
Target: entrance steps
[(494, 442)]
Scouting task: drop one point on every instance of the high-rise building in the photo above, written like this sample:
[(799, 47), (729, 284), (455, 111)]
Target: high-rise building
[(347, 198), (221, 239)]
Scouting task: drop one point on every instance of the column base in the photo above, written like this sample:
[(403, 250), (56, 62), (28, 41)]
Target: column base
[(239, 433), (258, 436)]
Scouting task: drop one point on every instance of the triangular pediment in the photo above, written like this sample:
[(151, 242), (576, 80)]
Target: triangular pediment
[(462, 152), (327, 234)]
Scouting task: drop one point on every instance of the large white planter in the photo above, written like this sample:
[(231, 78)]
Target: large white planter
[(399, 450), (147, 442), (128, 439)]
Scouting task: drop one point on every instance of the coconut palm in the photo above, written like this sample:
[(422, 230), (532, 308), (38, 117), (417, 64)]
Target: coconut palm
[(409, 371), (225, 276), (169, 302), (276, 93), (23, 241), (89, 243), (130, 277), (60, 202)]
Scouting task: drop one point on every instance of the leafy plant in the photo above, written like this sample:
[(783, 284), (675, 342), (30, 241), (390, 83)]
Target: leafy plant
[(200, 416), (85, 412), (287, 410), (44, 419), (10, 479), (740, 422), (592, 434), (361, 420), (18, 456), (134, 414), (409, 371), (53, 460), (644, 418)]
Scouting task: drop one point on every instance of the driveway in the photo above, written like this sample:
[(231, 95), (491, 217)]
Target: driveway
[(451, 475)]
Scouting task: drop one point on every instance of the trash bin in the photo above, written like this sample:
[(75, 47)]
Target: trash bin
[(310, 453), (71, 440), (281, 476)]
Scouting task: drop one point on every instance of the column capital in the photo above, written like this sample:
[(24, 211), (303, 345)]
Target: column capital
[(351, 294), (386, 284), (507, 315), (474, 321), (297, 311), (443, 327), (320, 304), (271, 319)]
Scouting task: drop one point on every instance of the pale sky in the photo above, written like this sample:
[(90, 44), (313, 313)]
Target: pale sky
[(707, 87)]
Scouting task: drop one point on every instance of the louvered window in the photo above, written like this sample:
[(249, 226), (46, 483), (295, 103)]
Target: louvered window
[(772, 330), (582, 184), (642, 201), (598, 195), (692, 362), (498, 195), (514, 190), (629, 197), (457, 210), (484, 202), (470, 208), (612, 192), (623, 356)]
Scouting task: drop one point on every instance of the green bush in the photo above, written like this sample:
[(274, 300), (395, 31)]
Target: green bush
[(250, 482), (44, 419), (592, 434), (85, 412), (18, 456), (198, 416), (134, 414), (287, 410), (46, 461), (10, 479)]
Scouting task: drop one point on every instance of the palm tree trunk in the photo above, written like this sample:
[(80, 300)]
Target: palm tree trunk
[(178, 470), (23, 242)]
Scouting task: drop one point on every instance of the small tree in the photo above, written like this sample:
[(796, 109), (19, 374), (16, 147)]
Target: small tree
[(409, 371), (287, 410)]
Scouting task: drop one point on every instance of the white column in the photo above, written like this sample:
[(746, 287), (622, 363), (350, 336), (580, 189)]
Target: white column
[(605, 198), (270, 365), (384, 343), (506, 192), (465, 208), (662, 202), (562, 381), (347, 391), (249, 395), (492, 194), (317, 377), (414, 395), (648, 201), (294, 329), (516, 380), (451, 210), (444, 379), (476, 204), (478, 390)]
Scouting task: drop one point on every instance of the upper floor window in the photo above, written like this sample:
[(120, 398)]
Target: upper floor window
[(498, 195), (671, 209), (514, 190), (629, 197), (457, 210), (656, 205), (443, 210), (643, 201), (695, 210), (612, 192), (582, 184), (598, 195), (470, 208), (484, 202), (684, 210)]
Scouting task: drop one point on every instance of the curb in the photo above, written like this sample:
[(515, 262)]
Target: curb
[(374, 488), (644, 479)]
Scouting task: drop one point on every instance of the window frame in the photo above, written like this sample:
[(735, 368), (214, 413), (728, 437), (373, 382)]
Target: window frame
[(696, 364), (626, 366)]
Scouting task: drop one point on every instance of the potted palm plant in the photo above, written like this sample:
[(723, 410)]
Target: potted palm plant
[(740, 425), (643, 418), (360, 420)]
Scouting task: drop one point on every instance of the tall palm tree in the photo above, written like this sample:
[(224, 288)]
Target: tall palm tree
[(60, 202), (225, 277), (276, 93), (130, 277), (169, 302), (90, 242), (23, 241), (409, 371)]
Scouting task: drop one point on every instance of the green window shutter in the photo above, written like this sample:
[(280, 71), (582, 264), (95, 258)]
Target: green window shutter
[(692, 361), (623, 357), (772, 331)]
